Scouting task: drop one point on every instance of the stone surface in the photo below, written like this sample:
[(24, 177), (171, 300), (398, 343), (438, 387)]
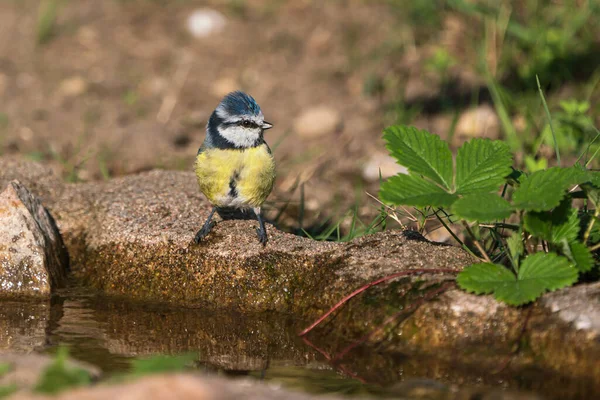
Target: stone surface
[(178, 386), (205, 22), (132, 237), (23, 325), (478, 122), (72, 87), (381, 163), (33, 259), (317, 122)]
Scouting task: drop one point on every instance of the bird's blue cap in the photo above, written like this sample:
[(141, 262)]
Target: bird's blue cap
[(239, 103)]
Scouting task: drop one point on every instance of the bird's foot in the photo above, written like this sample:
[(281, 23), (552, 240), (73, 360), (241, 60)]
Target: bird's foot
[(262, 236), (204, 231)]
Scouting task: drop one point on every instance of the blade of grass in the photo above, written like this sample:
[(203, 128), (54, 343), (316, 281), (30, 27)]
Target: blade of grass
[(507, 126), (557, 151), (595, 153), (588, 146)]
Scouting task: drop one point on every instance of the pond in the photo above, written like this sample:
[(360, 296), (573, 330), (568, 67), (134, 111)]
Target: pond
[(109, 333)]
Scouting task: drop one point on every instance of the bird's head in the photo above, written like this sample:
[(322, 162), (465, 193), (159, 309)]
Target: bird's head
[(237, 122)]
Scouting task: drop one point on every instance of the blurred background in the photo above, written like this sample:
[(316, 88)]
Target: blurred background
[(98, 89)]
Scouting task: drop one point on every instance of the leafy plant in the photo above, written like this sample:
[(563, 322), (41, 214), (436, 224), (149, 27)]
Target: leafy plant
[(546, 247), (6, 390), (59, 376), (160, 364)]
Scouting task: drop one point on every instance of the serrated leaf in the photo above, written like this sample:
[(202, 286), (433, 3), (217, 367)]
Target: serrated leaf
[(538, 273), (543, 190), (482, 207), (484, 278), (515, 245), (482, 165), (579, 254), (421, 152), (415, 191), (554, 270), (560, 224)]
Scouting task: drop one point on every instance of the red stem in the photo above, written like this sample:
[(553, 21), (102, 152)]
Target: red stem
[(336, 365), (392, 318), (417, 271)]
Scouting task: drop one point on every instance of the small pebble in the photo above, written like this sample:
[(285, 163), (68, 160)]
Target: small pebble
[(317, 122), (205, 22)]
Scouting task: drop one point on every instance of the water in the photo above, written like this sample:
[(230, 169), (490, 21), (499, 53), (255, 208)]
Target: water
[(108, 333)]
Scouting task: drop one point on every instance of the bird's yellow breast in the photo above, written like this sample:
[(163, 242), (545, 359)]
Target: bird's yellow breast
[(236, 177)]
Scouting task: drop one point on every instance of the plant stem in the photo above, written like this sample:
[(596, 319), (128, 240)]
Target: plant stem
[(426, 297), (586, 235), (501, 225), (416, 271), (476, 242), (463, 245), (596, 247)]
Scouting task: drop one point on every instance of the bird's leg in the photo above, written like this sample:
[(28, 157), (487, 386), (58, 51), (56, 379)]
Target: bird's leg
[(208, 225), (261, 230)]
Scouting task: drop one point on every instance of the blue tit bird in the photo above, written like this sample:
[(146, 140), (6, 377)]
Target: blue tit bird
[(234, 165)]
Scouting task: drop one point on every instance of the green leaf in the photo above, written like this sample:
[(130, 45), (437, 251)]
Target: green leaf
[(161, 364), (515, 245), (421, 152), (543, 190), (579, 254), (482, 165), (7, 390), (484, 278), (560, 224), (538, 273), (4, 369), (482, 207), (546, 271), (58, 376), (413, 190)]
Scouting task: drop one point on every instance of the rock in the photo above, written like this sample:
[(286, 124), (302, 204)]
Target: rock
[(205, 22), (579, 306), (33, 259), (317, 122), (180, 386), (478, 122), (132, 237), (223, 86), (384, 164), (23, 326), (73, 87)]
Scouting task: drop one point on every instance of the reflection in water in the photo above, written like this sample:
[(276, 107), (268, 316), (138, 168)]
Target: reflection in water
[(109, 332)]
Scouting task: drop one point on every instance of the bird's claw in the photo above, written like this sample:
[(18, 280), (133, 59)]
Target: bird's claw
[(262, 236), (205, 230)]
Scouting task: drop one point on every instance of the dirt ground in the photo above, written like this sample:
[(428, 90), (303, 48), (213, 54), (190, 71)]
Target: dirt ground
[(120, 86)]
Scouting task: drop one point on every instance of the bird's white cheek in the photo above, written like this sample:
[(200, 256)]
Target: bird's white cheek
[(239, 136)]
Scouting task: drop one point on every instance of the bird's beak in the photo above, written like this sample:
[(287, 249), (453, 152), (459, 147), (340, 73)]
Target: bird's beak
[(266, 125)]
